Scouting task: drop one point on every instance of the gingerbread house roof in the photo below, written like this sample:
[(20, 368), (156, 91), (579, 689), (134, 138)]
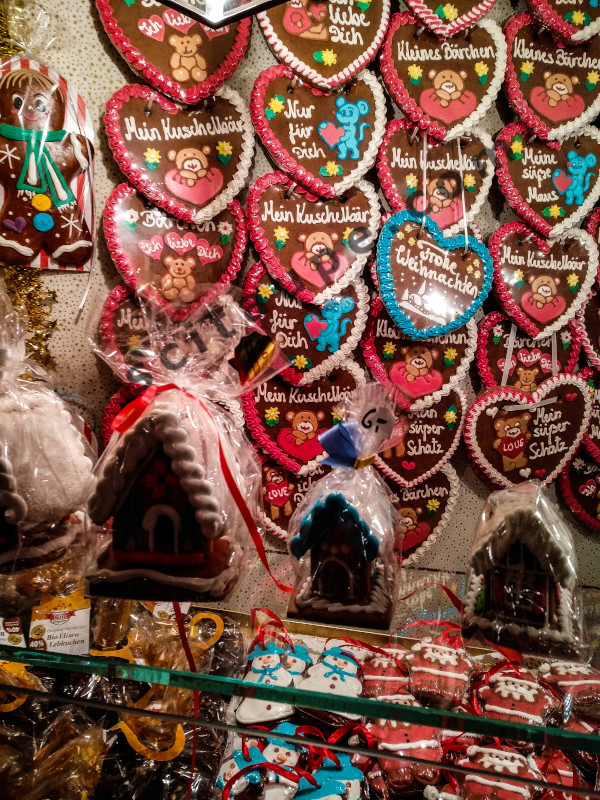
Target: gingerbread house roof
[(126, 456), (523, 513)]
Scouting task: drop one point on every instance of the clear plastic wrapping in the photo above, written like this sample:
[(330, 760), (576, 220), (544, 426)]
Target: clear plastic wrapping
[(343, 532), (523, 576)]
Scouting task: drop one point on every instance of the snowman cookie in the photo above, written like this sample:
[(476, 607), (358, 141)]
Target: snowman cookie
[(337, 673), (266, 669)]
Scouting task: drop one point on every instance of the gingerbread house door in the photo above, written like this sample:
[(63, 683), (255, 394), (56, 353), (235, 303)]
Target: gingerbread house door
[(520, 588), (334, 579)]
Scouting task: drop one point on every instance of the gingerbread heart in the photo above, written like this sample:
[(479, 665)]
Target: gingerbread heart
[(530, 361), (431, 436), (591, 439), (325, 44), (444, 102), (423, 511), (430, 285), (176, 54), (326, 142), (579, 485), (283, 492), (314, 248), (314, 340), (587, 323), (190, 162), (170, 261), (403, 165), (553, 87), (422, 371), (512, 436), (450, 18), (579, 23), (550, 186), (285, 421), (541, 284)]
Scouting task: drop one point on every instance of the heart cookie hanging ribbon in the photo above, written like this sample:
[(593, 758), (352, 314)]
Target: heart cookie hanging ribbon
[(424, 511), (431, 436), (541, 284), (446, 101), (175, 264), (577, 24), (512, 436), (325, 142), (190, 162), (530, 360), (551, 186), (283, 492), (553, 87), (325, 43), (313, 339), (430, 285), (402, 161), (286, 421), (313, 247), (422, 371), (587, 322), (177, 55), (579, 485)]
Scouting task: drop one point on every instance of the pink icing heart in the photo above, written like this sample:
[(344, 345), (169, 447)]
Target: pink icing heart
[(408, 465), (513, 363), (177, 20), (154, 27), (181, 244), (305, 451), (445, 216), (539, 473), (202, 190), (562, 181), (328, 271), (420, 386), (330, 133), (547, 312), (571, 397), (212, 33), (414, 538), (567, 108), (318, 11), (208, 253), (546, 363), (314, 326), (152, 247), (588, 489), (529, 357), (454, 111)]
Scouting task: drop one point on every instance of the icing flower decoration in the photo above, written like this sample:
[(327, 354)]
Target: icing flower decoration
[(496, 333), (301, 362), (265, 290), (451, 416), (518, 278), (272, 416), (578, 18), (527, 68), (481, 70), (152, 158), (432, 506), (337, 415), (400, 235), (565, 339), (411, 183), (592, 80), (281, 236), (275, 106), (449, 356), (134, 344), (389, 348), (469, 268), (224, 151), (476, 262), (415, 73), (327, 57), (130, 219), (477, 274), (578, 464), (225, 229), (573, 282), (450, 12), (346, 236), (470, 182), (412, 241), (553, 211), (516, 148), (331, 168), (158, 480), (364, 5)]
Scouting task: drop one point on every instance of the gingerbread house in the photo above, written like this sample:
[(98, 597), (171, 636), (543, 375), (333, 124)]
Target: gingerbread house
[(160, 482), (523, 573)]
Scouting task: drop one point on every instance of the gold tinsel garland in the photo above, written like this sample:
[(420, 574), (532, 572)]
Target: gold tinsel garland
[(24, 285)]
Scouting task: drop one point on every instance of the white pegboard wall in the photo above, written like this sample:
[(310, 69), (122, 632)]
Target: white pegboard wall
[(86, 56)]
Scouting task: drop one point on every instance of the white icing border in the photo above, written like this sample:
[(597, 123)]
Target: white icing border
[(452, 476), (492, 396), (271, 526), (591, 352), (390, 473), (284, 54), (380, 598)]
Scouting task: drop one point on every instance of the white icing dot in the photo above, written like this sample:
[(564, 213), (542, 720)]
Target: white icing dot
[(10, 213)]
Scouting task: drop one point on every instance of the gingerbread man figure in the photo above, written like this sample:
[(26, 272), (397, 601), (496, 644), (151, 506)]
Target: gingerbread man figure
[(38, 161), (386, 677), (577, 682), (516, 696), (505, 766), (440, 672)]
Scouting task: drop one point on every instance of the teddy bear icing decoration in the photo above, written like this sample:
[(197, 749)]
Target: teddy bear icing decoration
[(45, 169), (266, 668), (440, 672)]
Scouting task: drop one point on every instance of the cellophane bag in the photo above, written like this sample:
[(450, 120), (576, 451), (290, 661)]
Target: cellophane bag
[(169, 476), (342, 534), (45, 478), (523, 576)]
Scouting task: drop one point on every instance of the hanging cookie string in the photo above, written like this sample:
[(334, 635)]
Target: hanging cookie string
[(424, 165), (506, 369), (462, 197)]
